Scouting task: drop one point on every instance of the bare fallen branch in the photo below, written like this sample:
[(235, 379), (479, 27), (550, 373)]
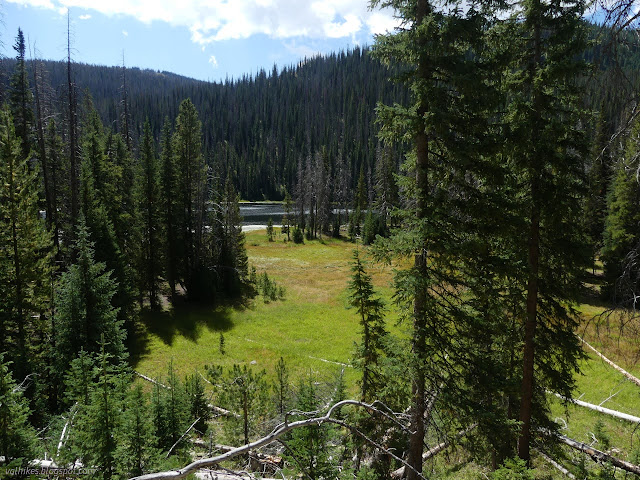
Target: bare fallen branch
[(74, 409), (599, 456), (635, 380), (182, 436), (216, 409), (277, 432), (557, 465), (598, 408)]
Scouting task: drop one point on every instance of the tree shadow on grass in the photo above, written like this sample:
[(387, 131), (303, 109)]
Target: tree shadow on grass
[(182, 319)]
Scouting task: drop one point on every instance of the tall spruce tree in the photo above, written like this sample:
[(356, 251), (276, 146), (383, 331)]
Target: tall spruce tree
[(25, 278), (446, 123), (169, 208), (136, 453), (21, 98), (148, 200), (547, 149), (100, 421), (191, 190)]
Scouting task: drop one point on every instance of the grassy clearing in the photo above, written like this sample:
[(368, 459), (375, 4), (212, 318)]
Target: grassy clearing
[(313, 329), (617, 336)]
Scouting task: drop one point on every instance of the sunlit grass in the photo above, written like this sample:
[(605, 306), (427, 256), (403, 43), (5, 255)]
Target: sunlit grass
[(313, 328)]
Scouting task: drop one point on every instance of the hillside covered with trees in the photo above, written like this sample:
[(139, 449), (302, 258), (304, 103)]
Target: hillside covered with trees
[(495, 174)]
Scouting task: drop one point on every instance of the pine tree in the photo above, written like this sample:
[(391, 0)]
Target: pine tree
[(25, 278), (245, 392), (21, 98), (545, 136), (233, 262), (169, 208), (620, 237), (191, 189), (371, 349), (17, 436), (148, 193), (595, 209), (270, 229), (80, 378), (84, 309), (286, 221), (308, 445), (282, 387), (136, 453), (100, 421), (198, 405), (446, 128)]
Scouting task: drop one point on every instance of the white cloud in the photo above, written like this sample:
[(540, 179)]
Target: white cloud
[(214, 20), (125, 33), (84, 17), (213, 61)]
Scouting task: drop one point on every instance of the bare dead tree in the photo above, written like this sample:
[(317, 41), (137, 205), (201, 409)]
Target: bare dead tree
[(279, 431)]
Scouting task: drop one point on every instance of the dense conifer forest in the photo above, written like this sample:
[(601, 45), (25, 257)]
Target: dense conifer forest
[(489, 155)]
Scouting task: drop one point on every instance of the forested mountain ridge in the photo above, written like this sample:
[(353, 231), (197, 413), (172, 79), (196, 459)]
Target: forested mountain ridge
[(259, 126)]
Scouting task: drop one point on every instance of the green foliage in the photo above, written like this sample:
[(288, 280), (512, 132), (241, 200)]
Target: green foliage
[(370, 352), (307, 446), (85, 313), (269, 289), (270, 230), (99, 422), (374, 225), (21, 98), (148, 202), (171, 412), (25, 256), (136, 452), (245, 393), (221, 346), (604, 441), (198, 404), (80, 378), (17, 436), (282, 387), (298, 235), (513, 469), (620, 237)]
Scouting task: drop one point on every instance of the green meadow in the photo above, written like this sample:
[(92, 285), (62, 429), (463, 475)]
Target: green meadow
[(314, 329)]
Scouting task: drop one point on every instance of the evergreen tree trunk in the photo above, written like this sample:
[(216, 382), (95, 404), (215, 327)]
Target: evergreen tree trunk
[(418, 341), (526, 400)]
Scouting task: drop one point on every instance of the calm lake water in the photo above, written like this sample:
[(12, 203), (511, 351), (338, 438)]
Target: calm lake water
[(259, 213)]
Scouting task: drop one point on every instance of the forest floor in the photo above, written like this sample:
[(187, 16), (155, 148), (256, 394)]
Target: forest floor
[(314, 329)]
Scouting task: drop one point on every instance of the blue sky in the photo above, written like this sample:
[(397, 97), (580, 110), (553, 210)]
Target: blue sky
[(204, 39)]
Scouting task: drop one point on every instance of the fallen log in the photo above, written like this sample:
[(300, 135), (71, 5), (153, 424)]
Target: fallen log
[(598, 408), (558, 467), (220, 475), (279, 431), (216, 409), (635, 380), (262, 458), (599, 456)]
